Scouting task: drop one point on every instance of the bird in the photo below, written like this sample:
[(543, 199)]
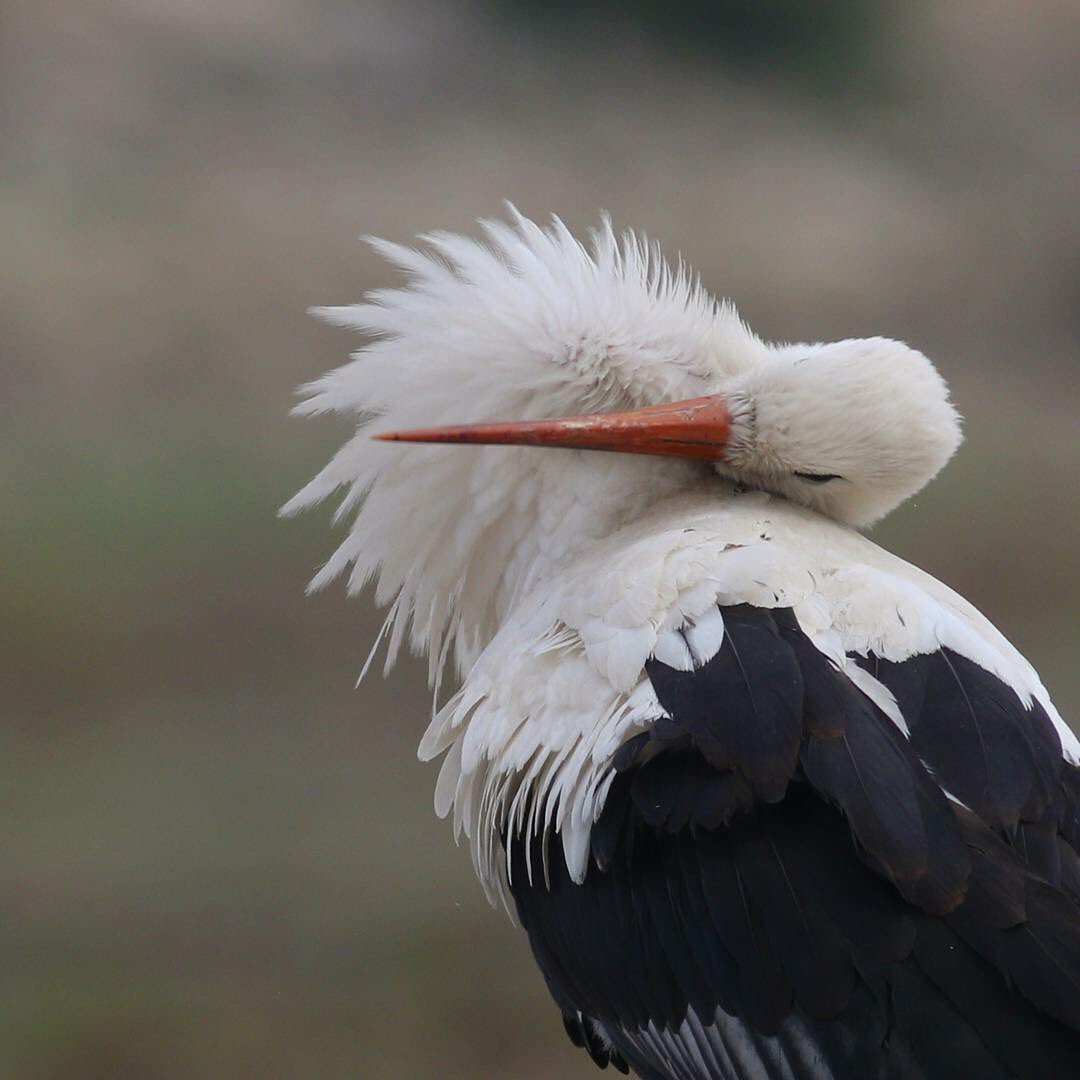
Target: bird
[(767, 800)]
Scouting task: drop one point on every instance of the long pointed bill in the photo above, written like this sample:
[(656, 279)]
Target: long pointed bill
[(697, 428)]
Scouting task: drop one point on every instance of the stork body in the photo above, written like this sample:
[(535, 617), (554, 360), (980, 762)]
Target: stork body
[(768, 801)]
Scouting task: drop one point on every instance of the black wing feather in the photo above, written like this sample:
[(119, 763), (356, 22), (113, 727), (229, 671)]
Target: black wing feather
[(999, 758), (779, 886), (743, 708)]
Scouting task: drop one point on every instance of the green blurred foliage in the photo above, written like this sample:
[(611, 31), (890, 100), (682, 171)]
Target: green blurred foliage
[(829, 44)]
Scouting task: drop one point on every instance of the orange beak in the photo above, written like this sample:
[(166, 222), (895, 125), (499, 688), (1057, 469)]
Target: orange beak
[(698, 428)]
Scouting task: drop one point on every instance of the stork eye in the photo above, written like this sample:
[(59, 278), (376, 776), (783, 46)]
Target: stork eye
[(818, 478)]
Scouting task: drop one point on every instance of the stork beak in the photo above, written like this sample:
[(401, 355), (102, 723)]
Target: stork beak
[(698, 428)]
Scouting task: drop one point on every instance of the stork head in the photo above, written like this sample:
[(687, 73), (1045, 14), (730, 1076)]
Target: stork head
[(849, 429), (539, 346)]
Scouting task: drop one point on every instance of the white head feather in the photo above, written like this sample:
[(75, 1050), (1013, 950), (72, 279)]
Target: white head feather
[(866, 422)]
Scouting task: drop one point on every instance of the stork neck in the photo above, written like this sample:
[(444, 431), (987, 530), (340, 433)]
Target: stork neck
[(581, 498)]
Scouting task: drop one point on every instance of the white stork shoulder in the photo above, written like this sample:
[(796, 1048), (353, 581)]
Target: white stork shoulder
[(564, 684)]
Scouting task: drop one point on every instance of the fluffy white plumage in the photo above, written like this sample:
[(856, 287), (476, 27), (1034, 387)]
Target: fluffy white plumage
[(553, 575), (532, 325)]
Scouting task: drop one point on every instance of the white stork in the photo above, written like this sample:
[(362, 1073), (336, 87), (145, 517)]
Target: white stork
[(769, 801)]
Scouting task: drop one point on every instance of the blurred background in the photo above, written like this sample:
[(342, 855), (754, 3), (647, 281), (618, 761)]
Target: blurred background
[(220, 859)]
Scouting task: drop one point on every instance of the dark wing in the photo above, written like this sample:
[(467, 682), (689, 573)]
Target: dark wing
[(778, 887)]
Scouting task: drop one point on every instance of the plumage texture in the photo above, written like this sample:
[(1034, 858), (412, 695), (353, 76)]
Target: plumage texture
[(769, 801)]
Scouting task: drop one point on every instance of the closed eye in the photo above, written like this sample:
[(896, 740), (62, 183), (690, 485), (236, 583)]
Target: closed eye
[(818, 478)]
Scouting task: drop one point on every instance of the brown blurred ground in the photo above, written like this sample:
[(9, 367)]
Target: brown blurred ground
[(220, 859)]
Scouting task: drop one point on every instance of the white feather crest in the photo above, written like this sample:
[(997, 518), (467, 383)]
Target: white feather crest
[(531, 323)]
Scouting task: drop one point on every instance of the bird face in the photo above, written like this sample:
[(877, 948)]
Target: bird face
[(849, 429)]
